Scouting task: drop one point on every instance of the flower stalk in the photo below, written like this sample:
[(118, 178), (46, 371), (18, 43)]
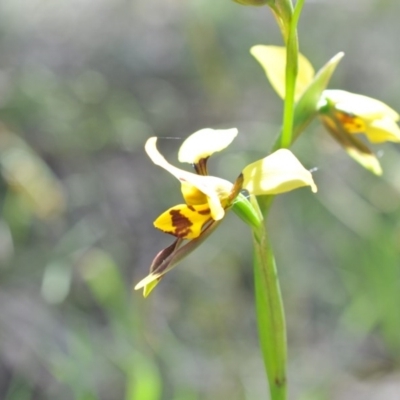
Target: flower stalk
[(269, 303), (292, 55), (270, 314)]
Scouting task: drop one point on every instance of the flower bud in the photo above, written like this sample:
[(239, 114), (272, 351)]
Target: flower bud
[(246, 211)]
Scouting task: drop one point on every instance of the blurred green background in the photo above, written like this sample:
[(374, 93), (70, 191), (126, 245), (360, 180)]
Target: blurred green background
[(83, 84)]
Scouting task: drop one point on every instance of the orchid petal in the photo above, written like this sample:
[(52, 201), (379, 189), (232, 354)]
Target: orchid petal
[(354, 147), (149, 283), (192, 195), (273, 61), (172, 259), (367, 160), (214, 188), (148, 288), (278, 173), (383, 130), (184, 221), (158, 267), (202, 144), (359, 105)]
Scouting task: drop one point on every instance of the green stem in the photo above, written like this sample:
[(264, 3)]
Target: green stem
[(292, 52), (290, 84), (269, 304), (270, 314), (296, 13)]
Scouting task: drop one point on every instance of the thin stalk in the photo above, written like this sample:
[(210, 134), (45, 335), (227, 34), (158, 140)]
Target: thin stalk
[(296, 13), (292, 51), (270, 314), (269, 303)]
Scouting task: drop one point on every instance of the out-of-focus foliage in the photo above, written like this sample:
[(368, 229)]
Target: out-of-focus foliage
[(83, 84)]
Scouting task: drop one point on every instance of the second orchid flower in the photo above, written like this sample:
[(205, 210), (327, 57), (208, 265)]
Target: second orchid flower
[(343, 114)]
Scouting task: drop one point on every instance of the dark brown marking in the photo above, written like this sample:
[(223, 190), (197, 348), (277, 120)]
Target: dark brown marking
[(191, 208), (201, 167), (204, 212), (181, 223)]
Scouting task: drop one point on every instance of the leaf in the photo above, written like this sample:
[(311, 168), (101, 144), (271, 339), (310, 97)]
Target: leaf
[(273, 61), (143, 379), (29, 177), (306, 108)]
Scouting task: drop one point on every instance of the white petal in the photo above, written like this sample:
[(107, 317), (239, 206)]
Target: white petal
[(205, 142), (278, 173), (214, 188), (359, 105)]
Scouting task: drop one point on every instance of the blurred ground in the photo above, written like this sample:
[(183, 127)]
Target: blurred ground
[(83, 84)]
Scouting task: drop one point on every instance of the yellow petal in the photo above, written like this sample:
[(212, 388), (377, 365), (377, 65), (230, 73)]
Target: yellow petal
[(148, 283), (273, 61), (192, 195), (383, 130), (350, 123), (359, 105), (184, 221), (202, 144), (149, 287), (158, 267), (367, 160), (278, 173), (217, 190), (354, 147)]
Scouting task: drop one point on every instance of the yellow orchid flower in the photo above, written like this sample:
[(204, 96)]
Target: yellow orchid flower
[(208, 198), (342, 113), (345, 114)]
